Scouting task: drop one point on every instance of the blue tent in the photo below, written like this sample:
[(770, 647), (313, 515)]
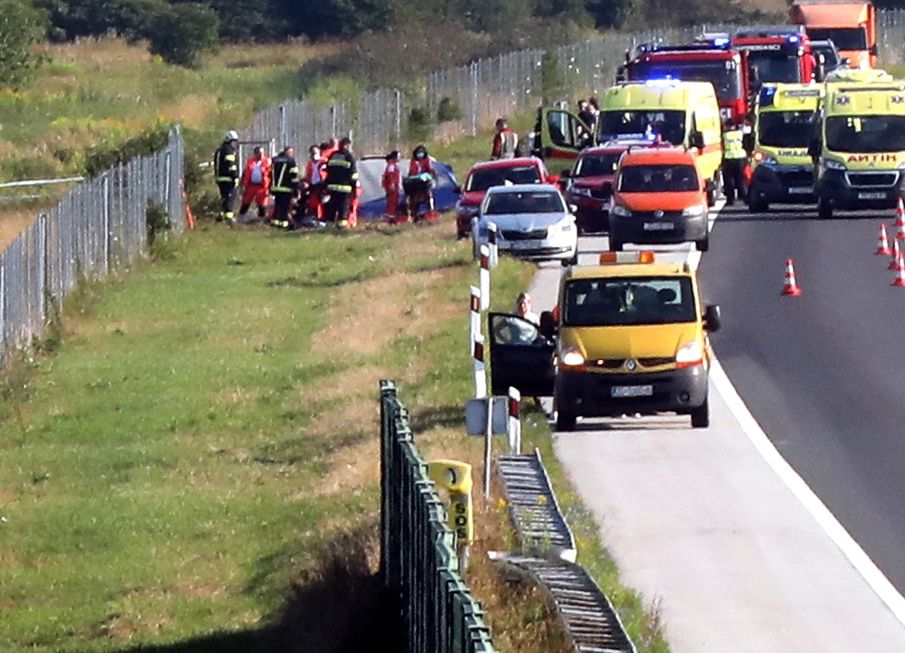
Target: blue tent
[(373, 199)]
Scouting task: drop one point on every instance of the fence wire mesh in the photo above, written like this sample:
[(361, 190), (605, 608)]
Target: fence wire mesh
[(99, 226)]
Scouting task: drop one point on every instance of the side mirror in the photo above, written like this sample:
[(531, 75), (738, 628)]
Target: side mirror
[(547, 325), (845, 61), (712, 318), (457, 190), (696, 139), (748, 142), (573, 208)]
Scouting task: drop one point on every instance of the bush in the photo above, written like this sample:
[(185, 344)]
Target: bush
[(180, 33), (448, 111), (105, 155), (419, 124), (21, 26), (156, 221)]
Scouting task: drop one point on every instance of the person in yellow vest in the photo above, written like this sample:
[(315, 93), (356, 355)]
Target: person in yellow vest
[(226, 173), (284, 185), (734, 156)]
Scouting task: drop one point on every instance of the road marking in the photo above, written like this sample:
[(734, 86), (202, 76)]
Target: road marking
[(827, 521)]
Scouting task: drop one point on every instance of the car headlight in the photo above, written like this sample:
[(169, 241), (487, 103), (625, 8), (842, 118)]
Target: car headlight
[(621, 211), (689, 354), (829, 164), (694, 211), (571, 357), (579, 190)]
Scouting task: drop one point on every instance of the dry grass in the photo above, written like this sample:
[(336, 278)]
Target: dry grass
[(14, 222)]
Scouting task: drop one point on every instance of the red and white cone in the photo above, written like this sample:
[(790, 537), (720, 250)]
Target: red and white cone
[(900, 220), (894, 263), (883, 243), (790, 286), (899, 281)]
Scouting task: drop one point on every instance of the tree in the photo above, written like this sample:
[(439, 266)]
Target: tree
[(21, 27), (180, 33)]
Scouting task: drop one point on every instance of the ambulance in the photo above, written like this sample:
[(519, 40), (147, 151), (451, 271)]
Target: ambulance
[(859, 150), (781, 170)]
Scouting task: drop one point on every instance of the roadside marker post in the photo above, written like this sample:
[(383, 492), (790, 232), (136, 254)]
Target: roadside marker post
[(474, 317), (493, 233), (484, 277), (515, 422), (480, 378)]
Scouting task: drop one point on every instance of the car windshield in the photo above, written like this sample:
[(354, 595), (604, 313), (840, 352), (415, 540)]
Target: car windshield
[(596, 165), (657, 178), (845, 38), (724, 75), (524, 202), (766, 66), (481, 180), (865, 133), (785, 128), (628, 123), (628, 301)]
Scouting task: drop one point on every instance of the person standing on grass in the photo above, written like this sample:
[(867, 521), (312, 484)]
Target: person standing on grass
[(226, 172), (505, 141), (284, 184), (342, 180), (391, 182), (256, 184), (312, 186)]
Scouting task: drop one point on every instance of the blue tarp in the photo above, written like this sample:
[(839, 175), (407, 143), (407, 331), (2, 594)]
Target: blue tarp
[(373, 199)]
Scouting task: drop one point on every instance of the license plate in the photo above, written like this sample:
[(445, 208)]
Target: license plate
[(659, 226), (805, 190), (521, 244), (871, 196), (622, 391)]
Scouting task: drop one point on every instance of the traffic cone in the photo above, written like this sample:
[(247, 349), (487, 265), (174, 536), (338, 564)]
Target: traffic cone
[(900, 220), (790, 286), (899, 281), (896, 256), (883, 243)]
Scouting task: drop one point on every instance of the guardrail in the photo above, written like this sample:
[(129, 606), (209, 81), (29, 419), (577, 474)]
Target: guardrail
[(97, 227), (418, 561)]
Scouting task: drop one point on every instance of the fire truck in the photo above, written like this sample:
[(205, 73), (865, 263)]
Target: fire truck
[(777, 55)]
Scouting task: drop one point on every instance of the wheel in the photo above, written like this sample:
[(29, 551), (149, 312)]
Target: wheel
[(757, 203), (615, 245), (824, 208), (700, 416), (565, 421), (704, 244), (566, 262)]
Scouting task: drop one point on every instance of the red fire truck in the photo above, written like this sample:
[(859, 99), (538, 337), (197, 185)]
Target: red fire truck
[(777, 55)]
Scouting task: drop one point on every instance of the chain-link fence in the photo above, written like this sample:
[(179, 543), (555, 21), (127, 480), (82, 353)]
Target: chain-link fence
[(99, 226), (464, 100)]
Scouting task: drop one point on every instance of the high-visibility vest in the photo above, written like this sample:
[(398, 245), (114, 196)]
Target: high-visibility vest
[(285, 174), (226, 163), (734, 145), (342, 173)]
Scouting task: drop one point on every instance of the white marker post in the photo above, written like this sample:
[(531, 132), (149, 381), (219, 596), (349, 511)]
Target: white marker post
[(474, 317), (484, 277), (515, 422), (480, 378), (493, 233)]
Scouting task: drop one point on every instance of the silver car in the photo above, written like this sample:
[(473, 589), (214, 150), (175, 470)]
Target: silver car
[(533, 222)]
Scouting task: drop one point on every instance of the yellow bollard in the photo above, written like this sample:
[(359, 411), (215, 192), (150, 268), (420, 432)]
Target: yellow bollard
[(455, 477)]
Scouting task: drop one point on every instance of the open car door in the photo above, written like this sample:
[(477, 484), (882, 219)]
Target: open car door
[(519, 356), (562, 135)]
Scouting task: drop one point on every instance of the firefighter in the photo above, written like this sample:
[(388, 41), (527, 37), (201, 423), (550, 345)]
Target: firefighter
[(734, 156), (284, 185), (256, 184), (342, 181), (419, 184), (391, 183), (226, 170), (505, 141), (312, 186)]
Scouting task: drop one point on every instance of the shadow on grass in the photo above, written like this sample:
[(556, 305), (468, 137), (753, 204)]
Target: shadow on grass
[(335, 608), (441, 416)]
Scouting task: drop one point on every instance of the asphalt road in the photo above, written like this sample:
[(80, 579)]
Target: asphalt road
[(701, 521)]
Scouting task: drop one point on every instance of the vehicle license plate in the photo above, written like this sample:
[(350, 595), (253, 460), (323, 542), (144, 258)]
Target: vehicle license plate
[(521, 244), (800, 190), (871, 196), (622, 391), (659, 226)]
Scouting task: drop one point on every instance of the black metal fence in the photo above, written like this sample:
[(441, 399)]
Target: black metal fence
[(418, 562)]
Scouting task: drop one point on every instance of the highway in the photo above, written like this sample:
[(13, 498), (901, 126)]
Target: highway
[(711, 525)]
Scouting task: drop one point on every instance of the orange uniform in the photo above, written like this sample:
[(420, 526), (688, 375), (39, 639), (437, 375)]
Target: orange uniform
[(256, 183)]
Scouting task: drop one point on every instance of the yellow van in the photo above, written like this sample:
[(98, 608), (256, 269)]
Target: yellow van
[(859, 150), (781, 169), (627, 336)]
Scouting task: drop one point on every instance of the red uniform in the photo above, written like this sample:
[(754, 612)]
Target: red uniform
[(392, 179), (256, 182), (314, 176), (420, 166)]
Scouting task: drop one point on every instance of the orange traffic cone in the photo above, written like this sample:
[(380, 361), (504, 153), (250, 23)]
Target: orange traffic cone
[(900, 220), (899, 281), (896, 256), (883, 243), (790, 286)]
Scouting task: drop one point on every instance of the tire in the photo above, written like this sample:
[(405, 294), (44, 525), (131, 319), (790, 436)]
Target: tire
[(566, 262), (704, 244), (757, 203), (565, 421), (615, 245), (700, 416), (824, 209)]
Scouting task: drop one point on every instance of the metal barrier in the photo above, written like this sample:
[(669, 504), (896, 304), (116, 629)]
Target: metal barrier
[(99, 226), (418, 562)]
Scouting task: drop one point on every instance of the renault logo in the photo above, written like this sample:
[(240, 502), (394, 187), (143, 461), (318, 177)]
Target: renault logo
[(631, 364), (658, 213)]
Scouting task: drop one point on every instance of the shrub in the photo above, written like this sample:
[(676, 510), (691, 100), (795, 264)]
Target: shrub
[(21, 27), (419, 124), (156, 221), (180, 33), (447, 111), (105, 155)]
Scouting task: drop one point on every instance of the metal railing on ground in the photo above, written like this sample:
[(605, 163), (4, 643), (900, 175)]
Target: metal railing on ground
[(418, 561), (98, 227)]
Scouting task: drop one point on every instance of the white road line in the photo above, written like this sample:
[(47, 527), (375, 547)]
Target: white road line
[(837, 533)]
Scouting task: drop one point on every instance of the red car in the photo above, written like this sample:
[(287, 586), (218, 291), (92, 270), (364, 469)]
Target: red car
[(591, 183), (484, 175)]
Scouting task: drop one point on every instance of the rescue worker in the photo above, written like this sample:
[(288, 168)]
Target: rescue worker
[(312, 187), (284, 184), (391, 183), (226, 171), (330, 148), (505, 141), (734, 156), (419, 190), (342, 180), (255, 184)]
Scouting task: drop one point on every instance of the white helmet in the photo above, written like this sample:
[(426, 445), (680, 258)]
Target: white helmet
[(231, 135)]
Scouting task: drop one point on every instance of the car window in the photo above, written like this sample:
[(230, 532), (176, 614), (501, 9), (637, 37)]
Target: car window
[(524, 202), (481, 180), (513, 330), (596, 165), (658, 178), (628, 301)]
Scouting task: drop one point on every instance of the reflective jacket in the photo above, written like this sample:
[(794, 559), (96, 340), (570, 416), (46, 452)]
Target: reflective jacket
[(734, 145), (226, 163), (285, 174), (505, 143), (342, 173)]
